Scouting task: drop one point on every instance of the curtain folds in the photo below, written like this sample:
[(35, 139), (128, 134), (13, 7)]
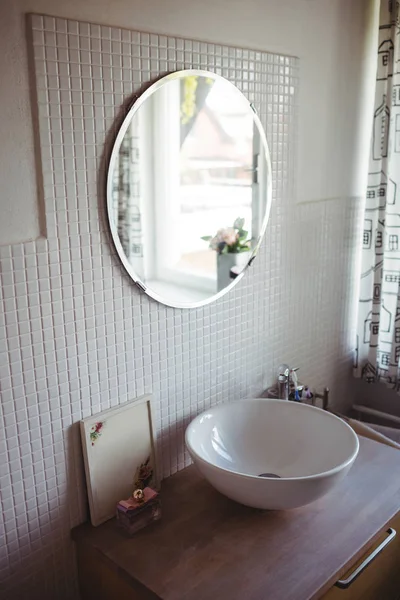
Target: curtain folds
[(378, 327)]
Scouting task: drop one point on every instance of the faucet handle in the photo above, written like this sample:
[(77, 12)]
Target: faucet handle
[(283, 369)]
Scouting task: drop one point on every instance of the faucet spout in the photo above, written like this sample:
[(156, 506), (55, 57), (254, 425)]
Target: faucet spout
[(283, 387)]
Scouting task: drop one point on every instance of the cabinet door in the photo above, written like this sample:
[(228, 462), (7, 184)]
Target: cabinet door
[(380, 580), (100, 580)]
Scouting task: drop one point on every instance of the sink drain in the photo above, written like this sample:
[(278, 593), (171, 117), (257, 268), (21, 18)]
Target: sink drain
[(271, 475)]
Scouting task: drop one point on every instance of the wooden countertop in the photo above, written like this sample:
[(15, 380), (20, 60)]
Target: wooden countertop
[(207, 546)]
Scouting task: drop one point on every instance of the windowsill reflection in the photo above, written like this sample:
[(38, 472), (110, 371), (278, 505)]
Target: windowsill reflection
[(170, 290)]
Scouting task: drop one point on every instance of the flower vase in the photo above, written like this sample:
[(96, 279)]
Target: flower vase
[(225, 262)]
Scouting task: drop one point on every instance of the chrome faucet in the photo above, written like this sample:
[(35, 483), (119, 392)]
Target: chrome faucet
[(283, 382), (288, 383)]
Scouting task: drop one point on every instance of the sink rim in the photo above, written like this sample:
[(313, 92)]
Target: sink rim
[(276, 480)]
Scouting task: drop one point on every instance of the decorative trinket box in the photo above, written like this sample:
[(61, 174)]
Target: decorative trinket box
[(142, 508)]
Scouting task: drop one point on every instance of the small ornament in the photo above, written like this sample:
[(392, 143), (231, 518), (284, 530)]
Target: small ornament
[(138, 495)]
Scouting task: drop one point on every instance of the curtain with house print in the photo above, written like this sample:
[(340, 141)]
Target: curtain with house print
[(378, 339)]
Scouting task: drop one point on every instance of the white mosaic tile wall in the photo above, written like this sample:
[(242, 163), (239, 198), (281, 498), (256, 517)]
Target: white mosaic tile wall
[(78, 337)]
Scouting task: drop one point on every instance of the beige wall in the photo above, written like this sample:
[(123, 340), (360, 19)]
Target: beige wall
[(329, 36)]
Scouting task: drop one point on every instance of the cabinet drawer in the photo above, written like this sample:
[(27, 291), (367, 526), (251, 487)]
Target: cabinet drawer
[(381, 577)]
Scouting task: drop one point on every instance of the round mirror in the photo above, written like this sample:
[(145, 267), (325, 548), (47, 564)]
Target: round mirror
[(189, 188)]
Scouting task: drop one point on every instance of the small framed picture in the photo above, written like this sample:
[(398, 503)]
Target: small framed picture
[(119, 455)]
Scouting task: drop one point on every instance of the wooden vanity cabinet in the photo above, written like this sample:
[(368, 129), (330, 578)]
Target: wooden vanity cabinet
[(380, 580), (207, 547)]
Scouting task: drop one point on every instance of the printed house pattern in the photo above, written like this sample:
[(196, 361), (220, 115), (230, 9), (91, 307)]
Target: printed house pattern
[(378, 339)]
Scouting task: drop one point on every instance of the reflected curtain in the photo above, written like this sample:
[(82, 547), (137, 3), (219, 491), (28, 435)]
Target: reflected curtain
[(378, 327), (127, 198)]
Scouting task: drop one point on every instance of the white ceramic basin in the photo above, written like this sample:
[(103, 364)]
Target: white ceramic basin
[(271, 454)]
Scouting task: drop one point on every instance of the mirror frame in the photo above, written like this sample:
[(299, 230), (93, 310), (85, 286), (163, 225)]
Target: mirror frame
[(137, 103)]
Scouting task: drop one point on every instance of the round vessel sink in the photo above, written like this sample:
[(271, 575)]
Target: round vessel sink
[(271, 454)]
